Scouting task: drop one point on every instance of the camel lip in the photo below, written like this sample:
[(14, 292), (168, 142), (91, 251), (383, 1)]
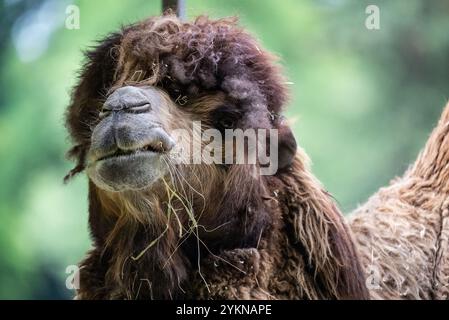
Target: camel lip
[(124, 154), (134, 171), (128, 155)]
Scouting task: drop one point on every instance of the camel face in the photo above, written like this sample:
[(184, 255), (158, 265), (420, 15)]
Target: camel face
[(128, 143)]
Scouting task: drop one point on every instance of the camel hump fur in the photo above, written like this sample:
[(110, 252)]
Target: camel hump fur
[(433, 162), (402, 231)]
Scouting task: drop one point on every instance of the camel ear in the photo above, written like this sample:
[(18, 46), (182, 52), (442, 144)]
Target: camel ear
[(286, 144), (78, 153)]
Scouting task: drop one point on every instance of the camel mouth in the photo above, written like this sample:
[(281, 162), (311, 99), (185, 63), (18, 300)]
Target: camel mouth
[(128, 169), (121, 154)]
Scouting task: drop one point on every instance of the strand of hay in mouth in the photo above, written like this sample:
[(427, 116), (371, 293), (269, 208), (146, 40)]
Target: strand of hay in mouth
[(175, 173), (172, 194), (193, 228), (188, 208), (170, 207), (152, 243)]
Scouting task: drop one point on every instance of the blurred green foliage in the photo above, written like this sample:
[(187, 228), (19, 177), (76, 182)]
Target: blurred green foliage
[(364, 102)]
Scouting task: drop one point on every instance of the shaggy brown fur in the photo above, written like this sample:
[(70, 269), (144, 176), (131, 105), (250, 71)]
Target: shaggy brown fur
[(231, 234), (402, 231), (292, 261)]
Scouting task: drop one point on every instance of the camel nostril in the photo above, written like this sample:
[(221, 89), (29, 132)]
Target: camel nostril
[(140, 108), (130, 99), (131, 107)]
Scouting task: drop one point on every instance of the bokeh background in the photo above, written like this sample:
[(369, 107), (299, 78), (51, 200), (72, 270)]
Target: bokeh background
[(363, 102)]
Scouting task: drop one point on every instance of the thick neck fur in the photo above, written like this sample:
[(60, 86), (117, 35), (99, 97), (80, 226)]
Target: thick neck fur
[(140, 245), (317, 230), (152, 243), (150, 255)]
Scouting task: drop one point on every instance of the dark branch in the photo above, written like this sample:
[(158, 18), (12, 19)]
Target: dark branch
[(177, 6)]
